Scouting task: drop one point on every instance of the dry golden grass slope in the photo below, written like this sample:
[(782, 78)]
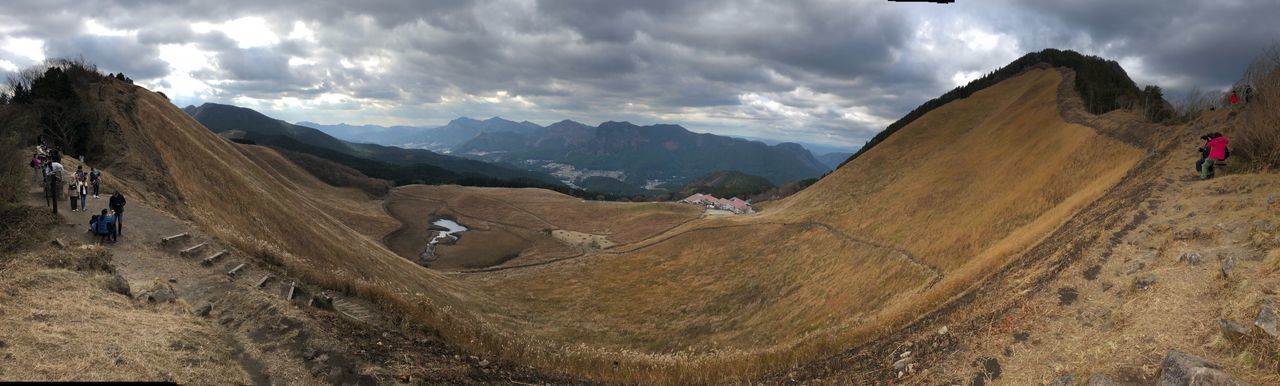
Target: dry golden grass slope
[(260, 203), (890, 236), (923, 216)]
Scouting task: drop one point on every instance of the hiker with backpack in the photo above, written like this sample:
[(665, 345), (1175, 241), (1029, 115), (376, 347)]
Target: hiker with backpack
[(95, 178), (1215, 151), (116, 203)]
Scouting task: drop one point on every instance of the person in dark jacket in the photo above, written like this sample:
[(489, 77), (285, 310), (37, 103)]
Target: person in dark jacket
[(95, 178), (1217, 152), (1204, 150), (105, 227), (116, 203)]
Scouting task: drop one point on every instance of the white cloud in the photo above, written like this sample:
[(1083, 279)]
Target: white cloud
[(32, 49), (93, 27), (302, 32), (247, 32)]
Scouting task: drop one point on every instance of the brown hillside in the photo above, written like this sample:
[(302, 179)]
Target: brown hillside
[(650, 293), (257, 201), (833, 265)]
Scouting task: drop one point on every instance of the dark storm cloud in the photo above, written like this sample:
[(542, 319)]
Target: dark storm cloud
[(831, 71)]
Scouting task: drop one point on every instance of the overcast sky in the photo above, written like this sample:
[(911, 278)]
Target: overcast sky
[(830, 72)]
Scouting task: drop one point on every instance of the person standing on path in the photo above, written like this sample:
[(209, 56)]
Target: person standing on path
[(73, 194), (95, 178), (116, 203), (55, 184), (83, 189), (1234, 99)]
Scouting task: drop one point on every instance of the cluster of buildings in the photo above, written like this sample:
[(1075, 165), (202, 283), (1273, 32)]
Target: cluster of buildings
[(735, 205)]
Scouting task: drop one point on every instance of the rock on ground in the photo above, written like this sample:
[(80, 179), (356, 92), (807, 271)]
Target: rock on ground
[(1192, 258), (1182, 369), (1144, 282), (1267, 320), (1232, 330), (202, 309)]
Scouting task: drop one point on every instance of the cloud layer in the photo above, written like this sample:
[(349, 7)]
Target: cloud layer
[(827, 72)]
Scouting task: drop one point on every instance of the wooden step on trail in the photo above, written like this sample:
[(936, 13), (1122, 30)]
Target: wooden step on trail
[(233, 271), (263, 281), (352, 310), (173, 238), (193, 248), (293, 286), (213, 258)]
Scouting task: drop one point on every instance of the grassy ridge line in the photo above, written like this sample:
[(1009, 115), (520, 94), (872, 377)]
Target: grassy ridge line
[(1105, 84)]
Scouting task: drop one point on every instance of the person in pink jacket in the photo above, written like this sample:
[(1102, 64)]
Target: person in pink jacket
[(1217, 152)]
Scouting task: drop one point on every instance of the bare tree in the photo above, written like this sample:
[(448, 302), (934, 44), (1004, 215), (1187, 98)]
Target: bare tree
[(1257, 129)]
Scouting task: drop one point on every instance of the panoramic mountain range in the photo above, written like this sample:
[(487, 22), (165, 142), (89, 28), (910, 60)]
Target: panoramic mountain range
[(654, 157), (387, 162)]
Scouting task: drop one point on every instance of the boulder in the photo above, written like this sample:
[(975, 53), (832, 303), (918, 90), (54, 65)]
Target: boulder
[(118, 285), (1182, 369), (1267, 320), (160, 292)]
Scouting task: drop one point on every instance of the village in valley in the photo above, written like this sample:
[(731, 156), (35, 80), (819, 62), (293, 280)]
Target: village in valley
[(735, 205)]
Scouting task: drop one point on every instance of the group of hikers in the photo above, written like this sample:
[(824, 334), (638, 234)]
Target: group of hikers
[(46, 164), (1237, 97)]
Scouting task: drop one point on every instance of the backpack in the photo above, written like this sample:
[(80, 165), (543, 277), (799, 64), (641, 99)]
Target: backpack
[(1226, 153)]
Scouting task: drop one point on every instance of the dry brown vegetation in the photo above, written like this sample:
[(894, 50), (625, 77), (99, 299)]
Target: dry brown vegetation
[(59, 321), (1256, 136), (675, 301), (725, 298)]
